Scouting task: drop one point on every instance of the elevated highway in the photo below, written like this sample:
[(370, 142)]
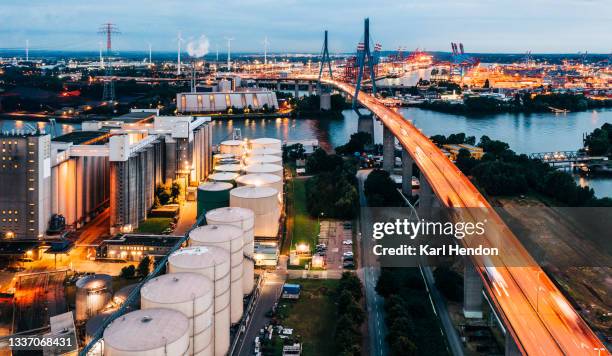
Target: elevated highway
[(538, 317)]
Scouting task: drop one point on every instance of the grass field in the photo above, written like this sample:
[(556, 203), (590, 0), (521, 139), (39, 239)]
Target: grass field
[(154, 225), (305, 227), (313, 316)]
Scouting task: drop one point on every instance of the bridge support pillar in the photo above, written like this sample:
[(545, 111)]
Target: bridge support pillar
[(310, 88), (426, 198), (365, 123), (296, 90), (511, 348), (278, 86), (388, 150), (472, 292), (407, 174), (324, 101)]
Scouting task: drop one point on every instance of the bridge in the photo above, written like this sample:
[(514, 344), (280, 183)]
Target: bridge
[(537, 318), (565, 157)]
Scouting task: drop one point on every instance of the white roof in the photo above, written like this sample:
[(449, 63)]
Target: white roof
[(232, 143), (230, 214), (228, 167), (146, 329), (252, 192), (223, 176), (264, 151), (215, 233), (176, 287), (263, 168), (258, 179), (263, 159), (265, 140), (199, 257), (215, 186)]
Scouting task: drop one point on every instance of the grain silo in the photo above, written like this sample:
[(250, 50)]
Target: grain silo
[(263, 159), (270, 168), (191, 294), (264, 203), (235, 147), (229, 177), (232, 168), (244, 219), (229, 238), (150, 332), (265, 152), (265, 142), (92, 295), (261, 180), (213, 263), (213, 195)]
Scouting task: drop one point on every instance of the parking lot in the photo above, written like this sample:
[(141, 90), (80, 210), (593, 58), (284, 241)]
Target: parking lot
[(337, 237)]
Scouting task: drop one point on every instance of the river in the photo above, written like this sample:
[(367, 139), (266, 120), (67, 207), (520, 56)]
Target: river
[(525, 133)]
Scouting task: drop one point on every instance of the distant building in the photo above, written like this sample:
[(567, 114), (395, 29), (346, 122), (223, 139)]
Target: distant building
[(25, 175), (453, 150), (221, 101), (134, 247)]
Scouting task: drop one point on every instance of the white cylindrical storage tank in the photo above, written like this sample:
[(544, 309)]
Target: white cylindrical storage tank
[(148, 332), (244, 219), (262, 180), (264, 203), (231, 239), (265, 151), (212, 195), (270, 168), (191, 294), (214, 263), (235, 147), (266, 142), (228, 177), (232, 168), (263, 159), (92, 294)]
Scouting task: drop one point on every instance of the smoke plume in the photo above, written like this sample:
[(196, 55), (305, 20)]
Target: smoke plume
[(199, 47)]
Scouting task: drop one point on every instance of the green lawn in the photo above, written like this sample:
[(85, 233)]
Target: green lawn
[(313, 316), (305, 227), (154, 225)]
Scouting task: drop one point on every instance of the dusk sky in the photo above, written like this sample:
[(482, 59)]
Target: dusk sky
[(542, 26)]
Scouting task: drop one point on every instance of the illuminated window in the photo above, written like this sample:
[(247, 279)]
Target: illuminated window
[(228, 101), (183, 102)]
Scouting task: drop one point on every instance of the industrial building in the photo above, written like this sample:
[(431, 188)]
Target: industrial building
[(198, 102), (135, 247)]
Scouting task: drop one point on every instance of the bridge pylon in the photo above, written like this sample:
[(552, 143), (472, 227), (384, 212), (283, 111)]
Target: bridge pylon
[(364, 55), (325, 59)]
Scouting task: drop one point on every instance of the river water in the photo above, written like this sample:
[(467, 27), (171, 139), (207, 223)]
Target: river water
[(525, 133)]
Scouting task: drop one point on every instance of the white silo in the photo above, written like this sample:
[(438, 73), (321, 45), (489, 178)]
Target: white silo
[(228, 177), (149, 332), (235, 147), (271, 168), (263, 159), (232, 168), (229, 238), (265, 142), (191, 294), (244, 219), (214, 263), (261, 180), (93, 292), (265, 151), (264, 203)]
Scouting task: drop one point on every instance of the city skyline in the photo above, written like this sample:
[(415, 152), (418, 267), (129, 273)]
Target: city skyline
[(297, 26)]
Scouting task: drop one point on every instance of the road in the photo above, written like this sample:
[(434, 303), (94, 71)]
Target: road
[(369, 271), (538, 316)]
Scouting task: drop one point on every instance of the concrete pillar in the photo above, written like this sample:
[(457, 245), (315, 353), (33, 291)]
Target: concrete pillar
[(325, 101), (511, 347), (426, 198), (365, 123), (407, 174), (296, 92), (388, 150), (472, 292), (278, 86), (310, 88)]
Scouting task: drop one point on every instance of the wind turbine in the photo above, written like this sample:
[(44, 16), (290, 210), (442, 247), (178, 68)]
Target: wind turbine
[(150, 62), (179, 39), (266, 43), (229, 50)]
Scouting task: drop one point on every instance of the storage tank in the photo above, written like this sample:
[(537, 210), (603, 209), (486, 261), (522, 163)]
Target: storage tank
[(262, 180), (233, 168), (235, 147), (95, 323), (220, 156), (263, 159), (229, 238), (191, 294), (270, 168), (264, 203), (92, 295), (213, 263), (265, 142), (213, 195), (265, 151), (244, 219), (228, 177), (148, 332)]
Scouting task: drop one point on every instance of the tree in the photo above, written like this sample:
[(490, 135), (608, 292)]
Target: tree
[(402, 345), (357, 143), (380, 189), (175, 191), (486, 84), (128, 272), (144, 266)]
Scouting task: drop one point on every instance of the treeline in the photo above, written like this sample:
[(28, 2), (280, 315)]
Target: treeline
[(412, 326), (599, 142), (309, 104), (332, 191), (503, 172), (521, 103), (380, 190), (351, 315)]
